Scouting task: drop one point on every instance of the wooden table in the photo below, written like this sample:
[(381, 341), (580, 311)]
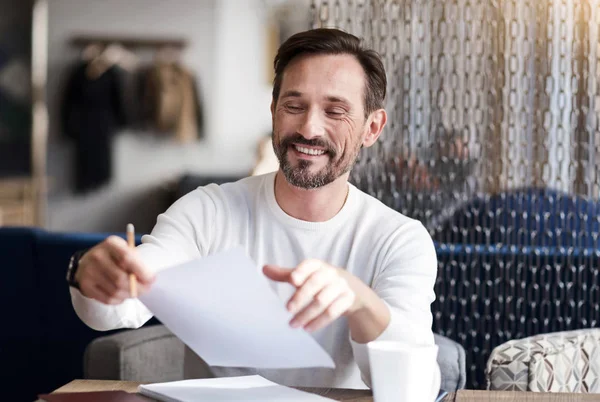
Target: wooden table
[(347, 395)]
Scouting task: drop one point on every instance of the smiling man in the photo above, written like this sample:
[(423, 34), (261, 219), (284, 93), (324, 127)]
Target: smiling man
[(359, 270)]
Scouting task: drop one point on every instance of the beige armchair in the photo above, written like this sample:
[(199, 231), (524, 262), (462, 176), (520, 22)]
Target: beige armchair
[(556, 362)]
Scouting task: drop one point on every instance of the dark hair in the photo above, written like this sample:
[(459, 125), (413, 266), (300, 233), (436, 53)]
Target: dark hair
[(334, 41)]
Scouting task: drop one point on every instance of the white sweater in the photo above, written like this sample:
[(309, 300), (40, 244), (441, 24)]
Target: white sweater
[(391, 253)]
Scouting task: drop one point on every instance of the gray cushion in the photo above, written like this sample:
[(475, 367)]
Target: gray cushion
[(148, 354), (154, 354), (451, 359)]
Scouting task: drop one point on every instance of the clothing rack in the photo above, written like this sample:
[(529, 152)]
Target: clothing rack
[(129, 41)]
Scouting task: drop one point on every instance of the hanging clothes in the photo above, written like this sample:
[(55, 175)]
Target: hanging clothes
[(92, 112), (171, 101)]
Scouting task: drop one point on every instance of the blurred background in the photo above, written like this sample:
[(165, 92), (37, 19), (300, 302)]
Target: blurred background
[(187, 92), (483, 97), (111, 110)]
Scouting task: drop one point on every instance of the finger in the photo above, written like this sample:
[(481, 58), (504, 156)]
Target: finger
[(112, 299), (120, 287), (123, 289), (143, 288), (89, 290), (116, 275), (306, 268), (127, 258), (92, 290), (105, 285), (320, 303), (313, 285), (99, 264), (87, 274), (277, 273), (141, 272), (332, 313)]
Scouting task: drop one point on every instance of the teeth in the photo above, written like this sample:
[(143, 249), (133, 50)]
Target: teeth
[(309, 151)]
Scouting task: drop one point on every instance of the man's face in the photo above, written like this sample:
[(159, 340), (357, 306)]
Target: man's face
[(318, 120)]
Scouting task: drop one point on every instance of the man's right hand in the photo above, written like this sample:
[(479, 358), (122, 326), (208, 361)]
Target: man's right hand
[(103, 272)]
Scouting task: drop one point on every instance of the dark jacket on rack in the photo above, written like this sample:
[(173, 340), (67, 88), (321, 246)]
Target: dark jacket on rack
[(92, 112)]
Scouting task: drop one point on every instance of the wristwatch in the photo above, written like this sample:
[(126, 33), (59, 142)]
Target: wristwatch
[(73, 265)]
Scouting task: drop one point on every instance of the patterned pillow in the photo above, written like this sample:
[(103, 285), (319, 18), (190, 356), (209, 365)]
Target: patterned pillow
[(557, 362)]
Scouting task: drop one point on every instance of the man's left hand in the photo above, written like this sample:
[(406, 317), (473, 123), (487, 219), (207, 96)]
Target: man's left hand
[(323, 293)]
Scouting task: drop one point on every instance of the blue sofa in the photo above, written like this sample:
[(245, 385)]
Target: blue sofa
[(512, 265), (42, 341)]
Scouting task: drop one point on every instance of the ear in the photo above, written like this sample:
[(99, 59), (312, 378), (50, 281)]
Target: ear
[(272, 109), (375, 124)]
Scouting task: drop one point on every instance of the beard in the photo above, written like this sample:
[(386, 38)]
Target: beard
[(300, 175)]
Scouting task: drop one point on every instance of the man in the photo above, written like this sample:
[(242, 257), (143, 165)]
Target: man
[(360, 271)]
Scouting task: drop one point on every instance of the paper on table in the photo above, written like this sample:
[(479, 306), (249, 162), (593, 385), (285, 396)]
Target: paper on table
[(223, 308), (232, 389)]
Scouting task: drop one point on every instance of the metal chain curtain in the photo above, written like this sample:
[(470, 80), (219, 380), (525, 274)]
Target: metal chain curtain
[(495, 101)]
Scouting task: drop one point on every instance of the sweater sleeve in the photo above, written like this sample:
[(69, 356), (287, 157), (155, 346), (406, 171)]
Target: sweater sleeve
[(180, 234), (405, 283)]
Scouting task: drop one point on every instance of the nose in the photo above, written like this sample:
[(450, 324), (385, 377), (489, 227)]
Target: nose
[(311, 125)]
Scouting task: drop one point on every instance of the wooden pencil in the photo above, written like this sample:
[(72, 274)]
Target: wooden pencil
[(131, 243)]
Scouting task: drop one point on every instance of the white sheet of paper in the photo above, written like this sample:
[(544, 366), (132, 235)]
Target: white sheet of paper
[(232, 389), (223, 308)]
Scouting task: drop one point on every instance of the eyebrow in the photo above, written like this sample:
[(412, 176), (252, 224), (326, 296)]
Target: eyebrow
[(337, 99), (298, 94), (291, 94)]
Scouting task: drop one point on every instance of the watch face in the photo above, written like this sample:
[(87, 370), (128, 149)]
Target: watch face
[(73, 264), (70, 269)]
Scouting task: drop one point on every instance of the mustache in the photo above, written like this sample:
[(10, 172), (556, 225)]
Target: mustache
[(315, 142)]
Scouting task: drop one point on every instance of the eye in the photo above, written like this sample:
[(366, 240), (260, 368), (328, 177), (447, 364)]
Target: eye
[(335, 112), (294, 108)]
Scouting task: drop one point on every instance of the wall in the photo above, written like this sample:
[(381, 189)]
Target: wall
[(226, 51)]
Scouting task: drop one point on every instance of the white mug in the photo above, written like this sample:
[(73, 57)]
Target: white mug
[(401, 372)]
